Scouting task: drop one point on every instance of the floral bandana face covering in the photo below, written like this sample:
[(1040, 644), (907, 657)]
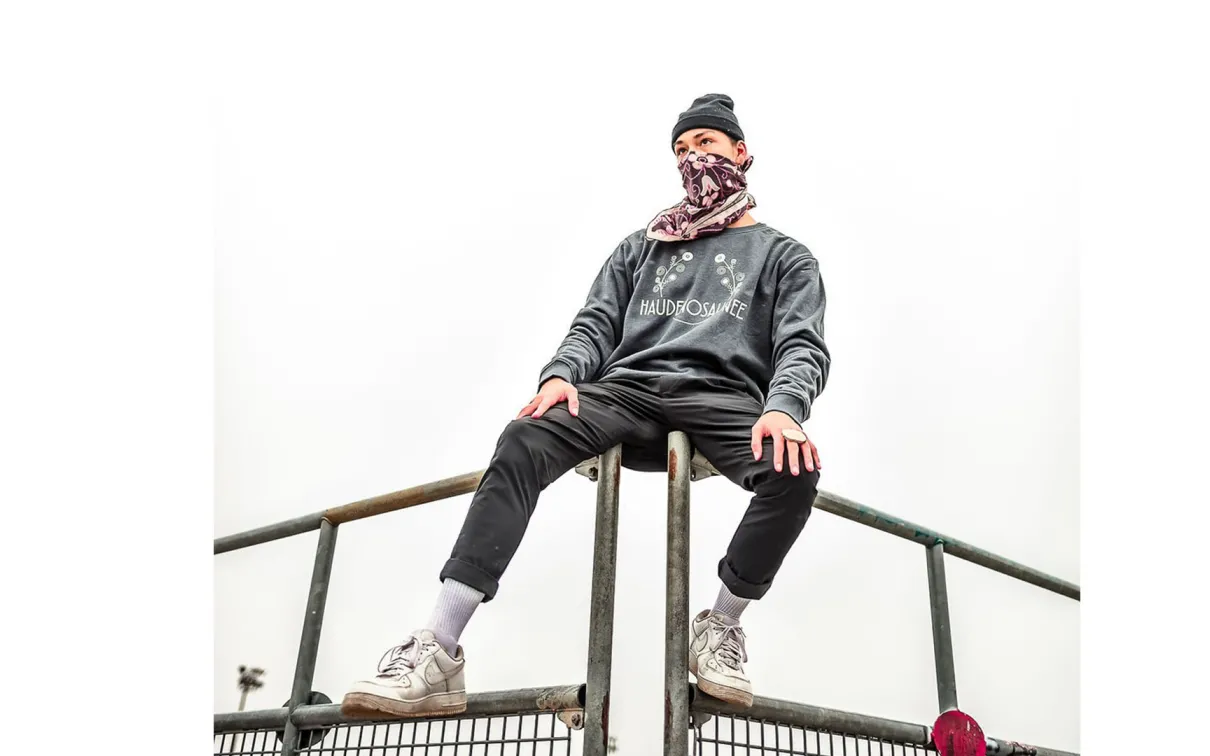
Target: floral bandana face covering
[(717, 196)]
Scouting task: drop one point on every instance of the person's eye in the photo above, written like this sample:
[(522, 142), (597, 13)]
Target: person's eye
[(707, 140)]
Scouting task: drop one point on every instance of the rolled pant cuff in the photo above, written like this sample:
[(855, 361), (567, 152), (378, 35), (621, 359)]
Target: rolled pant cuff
[(469, 574), (740, 587)]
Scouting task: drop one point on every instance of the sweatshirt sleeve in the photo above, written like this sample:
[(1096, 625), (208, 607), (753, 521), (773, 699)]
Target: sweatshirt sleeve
[(597, 329), (800, 357)]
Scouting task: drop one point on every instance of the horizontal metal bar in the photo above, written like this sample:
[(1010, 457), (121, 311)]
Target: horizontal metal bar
[(274, 532), (243, 721), (572, 697), (493, 704), (847, 723), (859, 513), (814, 717), (998, 747), (408, 497), (825, 501)]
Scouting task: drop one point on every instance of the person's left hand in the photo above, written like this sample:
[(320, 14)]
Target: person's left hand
[(772, 424)]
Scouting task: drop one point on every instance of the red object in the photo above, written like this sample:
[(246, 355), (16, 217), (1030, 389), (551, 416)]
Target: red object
[(957, 734)]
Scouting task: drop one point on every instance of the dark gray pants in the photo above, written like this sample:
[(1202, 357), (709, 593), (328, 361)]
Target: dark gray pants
[(532, 454)]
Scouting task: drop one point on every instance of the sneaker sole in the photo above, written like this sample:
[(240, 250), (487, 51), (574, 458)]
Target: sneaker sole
[(721, 692), (368, 706)]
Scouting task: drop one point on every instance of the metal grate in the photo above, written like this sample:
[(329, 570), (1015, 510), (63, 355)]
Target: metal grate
[(725, 735), (513, 735), (248, 743)]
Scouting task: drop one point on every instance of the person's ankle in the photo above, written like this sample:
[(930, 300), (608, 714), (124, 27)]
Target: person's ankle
[(725, 618), (448, 642)]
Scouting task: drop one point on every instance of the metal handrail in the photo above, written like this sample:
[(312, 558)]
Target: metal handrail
[(680, 699), (825, 502)]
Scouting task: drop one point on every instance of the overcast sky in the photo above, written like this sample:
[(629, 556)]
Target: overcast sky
[(411, 204)]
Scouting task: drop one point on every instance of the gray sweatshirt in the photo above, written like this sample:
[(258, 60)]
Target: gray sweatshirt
[(743, 308)]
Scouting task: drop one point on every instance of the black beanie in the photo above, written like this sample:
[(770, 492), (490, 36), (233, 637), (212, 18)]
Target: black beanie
[(712, 111)]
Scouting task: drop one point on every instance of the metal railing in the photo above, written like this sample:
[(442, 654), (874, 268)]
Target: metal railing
[(770, 726)]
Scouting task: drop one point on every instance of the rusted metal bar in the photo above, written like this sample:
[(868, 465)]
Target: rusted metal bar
[(676, 616), (408, 497), (825, 501), (492, 704), (600, 616)]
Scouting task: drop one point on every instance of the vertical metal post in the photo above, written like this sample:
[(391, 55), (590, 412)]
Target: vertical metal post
[(600, 618), (308, 645), (676, 618), (943, 644)]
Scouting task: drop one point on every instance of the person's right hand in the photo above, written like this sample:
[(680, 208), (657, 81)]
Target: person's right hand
[(552, 392)]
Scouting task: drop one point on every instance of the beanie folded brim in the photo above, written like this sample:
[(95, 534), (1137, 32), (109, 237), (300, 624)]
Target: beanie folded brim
[(705, 121)]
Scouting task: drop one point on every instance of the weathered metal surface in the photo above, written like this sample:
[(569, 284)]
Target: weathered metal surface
[(274, 532), (851, 510), (308, 644), (491, 704), (408, 497), (815, 717), (676, 617), (943, 643), (600, 622), (241, 721)]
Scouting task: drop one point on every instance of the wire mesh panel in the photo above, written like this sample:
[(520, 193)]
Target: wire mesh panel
[(725, 735), (249, 743), (512, 735)]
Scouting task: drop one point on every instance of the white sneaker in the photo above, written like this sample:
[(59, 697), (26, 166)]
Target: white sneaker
[(716, 658), (416, 679)]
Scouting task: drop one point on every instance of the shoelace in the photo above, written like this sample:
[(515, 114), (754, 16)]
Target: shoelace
[(731, 644), (401, 659)]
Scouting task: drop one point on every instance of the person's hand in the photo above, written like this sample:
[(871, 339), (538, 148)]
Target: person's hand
[(772, 424), (552, 392)]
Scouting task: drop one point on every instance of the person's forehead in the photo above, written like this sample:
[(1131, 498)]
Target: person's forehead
[(697, 134)]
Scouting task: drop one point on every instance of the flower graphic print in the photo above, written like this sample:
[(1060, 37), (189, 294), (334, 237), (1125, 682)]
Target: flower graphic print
[(732, 279), (666, 274), (681, 292)]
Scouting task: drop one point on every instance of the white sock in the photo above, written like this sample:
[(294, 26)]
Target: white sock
[(455, 604), (730, 605)]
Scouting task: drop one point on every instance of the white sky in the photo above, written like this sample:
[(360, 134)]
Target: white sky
[(411, 204)]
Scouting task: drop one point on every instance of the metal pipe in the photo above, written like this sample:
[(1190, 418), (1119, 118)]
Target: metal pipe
[(492, 704), (676, 616), (600, 617), (943, 642), (825, 501), (571, 697), (276, 531), (308, 645), (408, 497), (996, 747), (242, 721), (813, 717), (851, 510)]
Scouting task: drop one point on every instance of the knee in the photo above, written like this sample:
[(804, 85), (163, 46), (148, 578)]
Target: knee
[(516, 439), (520, 449), (794, 493)]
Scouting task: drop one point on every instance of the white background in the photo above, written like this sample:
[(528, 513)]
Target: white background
[(408, 217), (192, 193)]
